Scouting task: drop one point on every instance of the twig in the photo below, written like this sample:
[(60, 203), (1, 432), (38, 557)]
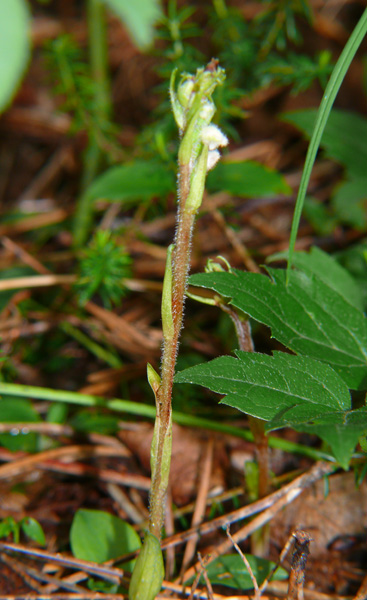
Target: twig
[(26, 464), (316, 472), (247, 564), (206, 578), (291, 491), (109, 573), (362, 592), (199, 511), (299, 559)]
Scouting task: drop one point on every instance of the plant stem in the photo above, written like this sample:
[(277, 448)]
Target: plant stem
[(259, 540), (102, 108)]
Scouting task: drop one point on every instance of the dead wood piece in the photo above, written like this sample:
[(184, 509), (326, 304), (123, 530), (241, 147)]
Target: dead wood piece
[(299, 559)]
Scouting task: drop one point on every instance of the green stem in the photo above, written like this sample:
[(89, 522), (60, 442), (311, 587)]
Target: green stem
[(148, 411), (102, 108), (111, 359)]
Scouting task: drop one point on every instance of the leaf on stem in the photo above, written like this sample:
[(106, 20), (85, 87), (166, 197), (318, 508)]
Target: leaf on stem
[(307, 315)]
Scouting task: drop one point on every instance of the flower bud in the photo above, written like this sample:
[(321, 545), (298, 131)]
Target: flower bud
[(213, 158), (213, 137), (184, 92), (148, 574)]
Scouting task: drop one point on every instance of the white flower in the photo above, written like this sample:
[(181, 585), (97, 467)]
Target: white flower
[(207, 111), (213, 158), (213, 137)]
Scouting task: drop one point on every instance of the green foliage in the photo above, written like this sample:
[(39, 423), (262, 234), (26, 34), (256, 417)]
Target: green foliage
[(30, 527), (308, 316), (74, 83), (318, 315), (246, 179), (297, 70), (139, 17), (99, 422), (323, 114), (231, 571), (98, 536), (14, 47), (18, 410), (103, 268), (131, 182), (343, 141)]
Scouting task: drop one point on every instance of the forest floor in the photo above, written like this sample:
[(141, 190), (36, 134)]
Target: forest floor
[(71, 457)]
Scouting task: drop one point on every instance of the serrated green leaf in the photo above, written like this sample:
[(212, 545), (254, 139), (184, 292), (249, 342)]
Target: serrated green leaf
[(340, 429), (14, 47), (139, 16), (33, 530), (247, 179), (343, 139), (139, 180), (263, 386), (230, 570), (306, 315), (319, 263), (98, 536)]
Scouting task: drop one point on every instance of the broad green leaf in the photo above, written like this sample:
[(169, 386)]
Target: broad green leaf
[(17, 410), (319, 263), (340, 429), (230, 570), (354, 260), (343, 139), (307, 316), (33, 530), (14, 47), (246, 179), (139, 180), (263, 386), (98, 536), (139, 16), (350, 202)]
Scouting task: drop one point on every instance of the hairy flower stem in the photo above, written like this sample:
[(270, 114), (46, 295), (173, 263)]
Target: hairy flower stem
[(180, 270), (193, 109)]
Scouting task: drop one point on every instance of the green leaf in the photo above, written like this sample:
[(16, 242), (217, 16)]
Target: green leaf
[(33, 530), (139, 17), (231, 571), (98, 422), (247, 179), (98, 536), (262, 385), (350, 202), (14, 47), (340, 429), (307, 316), (343, 138), (319, 263), (9, 526), (17, 410), (139, 180)]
